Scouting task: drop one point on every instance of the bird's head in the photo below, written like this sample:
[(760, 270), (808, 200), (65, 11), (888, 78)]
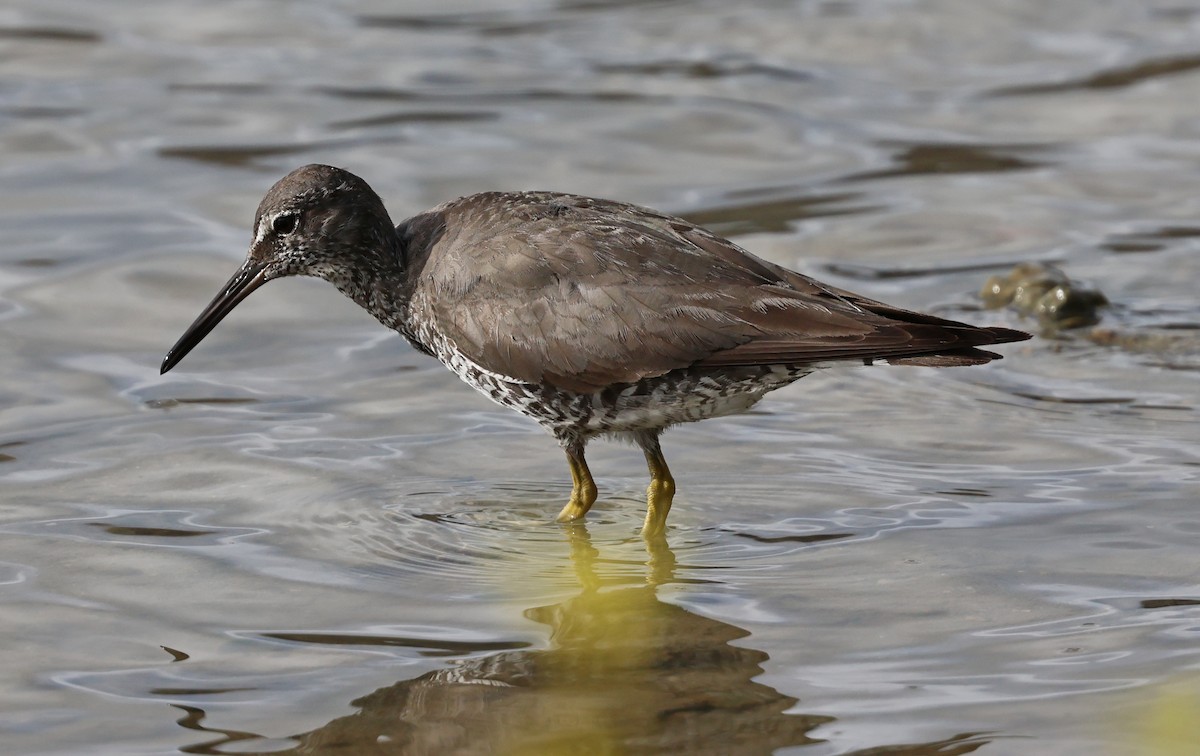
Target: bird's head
[(316, 221)]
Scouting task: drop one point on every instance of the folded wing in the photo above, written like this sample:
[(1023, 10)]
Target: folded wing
[(583, 294)]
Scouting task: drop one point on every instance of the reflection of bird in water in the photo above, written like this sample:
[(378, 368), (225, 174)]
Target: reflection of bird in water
[(592, 317), (625, 673)]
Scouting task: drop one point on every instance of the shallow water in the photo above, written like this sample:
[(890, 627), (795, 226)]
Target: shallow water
[(310, 539)]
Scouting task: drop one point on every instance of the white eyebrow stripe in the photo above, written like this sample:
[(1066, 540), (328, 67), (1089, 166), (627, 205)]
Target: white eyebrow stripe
[(261, 232)]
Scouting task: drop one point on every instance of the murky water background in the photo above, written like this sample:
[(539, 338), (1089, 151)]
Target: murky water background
[(310, 539)]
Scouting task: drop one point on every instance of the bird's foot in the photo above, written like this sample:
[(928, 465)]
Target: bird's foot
[(583, 488), (583, 496), (571, 512), (659, 495)]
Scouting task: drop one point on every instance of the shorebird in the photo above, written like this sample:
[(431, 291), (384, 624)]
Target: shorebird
[(592, 317)]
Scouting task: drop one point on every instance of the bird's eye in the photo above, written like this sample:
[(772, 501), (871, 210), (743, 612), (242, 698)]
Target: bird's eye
[(284, 224)]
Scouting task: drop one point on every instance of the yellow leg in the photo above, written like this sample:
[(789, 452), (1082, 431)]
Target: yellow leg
[(583, 490), (660, 492)]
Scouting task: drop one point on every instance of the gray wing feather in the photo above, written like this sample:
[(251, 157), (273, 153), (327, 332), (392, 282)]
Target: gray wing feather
[(583, 294)]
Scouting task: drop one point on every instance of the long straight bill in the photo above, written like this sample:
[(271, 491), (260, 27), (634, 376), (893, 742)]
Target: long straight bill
[(248, 278)]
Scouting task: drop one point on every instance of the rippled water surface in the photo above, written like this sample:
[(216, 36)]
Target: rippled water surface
[(310, 539)]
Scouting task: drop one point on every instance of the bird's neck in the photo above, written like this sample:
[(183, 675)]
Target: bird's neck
[(378, 283), (377, 288), (380, 298)]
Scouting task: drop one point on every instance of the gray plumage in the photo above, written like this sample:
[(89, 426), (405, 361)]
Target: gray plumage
[(588, 315)]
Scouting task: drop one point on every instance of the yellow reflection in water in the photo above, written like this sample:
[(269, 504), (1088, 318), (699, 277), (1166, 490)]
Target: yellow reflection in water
[(1170, 724), (625, 672)]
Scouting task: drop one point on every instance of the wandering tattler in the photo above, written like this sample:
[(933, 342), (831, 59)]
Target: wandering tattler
[(590, 316)]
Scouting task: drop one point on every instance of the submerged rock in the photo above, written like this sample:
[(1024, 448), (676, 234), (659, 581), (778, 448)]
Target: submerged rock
[(1046, 293), (1065, 308)]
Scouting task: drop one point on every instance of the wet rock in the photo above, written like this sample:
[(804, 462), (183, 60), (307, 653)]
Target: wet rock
[(1065, 308), (1045, 292), (1068, 306)]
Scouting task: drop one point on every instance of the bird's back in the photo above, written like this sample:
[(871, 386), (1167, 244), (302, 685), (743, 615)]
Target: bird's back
[(582, 294)]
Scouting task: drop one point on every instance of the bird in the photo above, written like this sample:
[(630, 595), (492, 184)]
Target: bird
[(593, 317)]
